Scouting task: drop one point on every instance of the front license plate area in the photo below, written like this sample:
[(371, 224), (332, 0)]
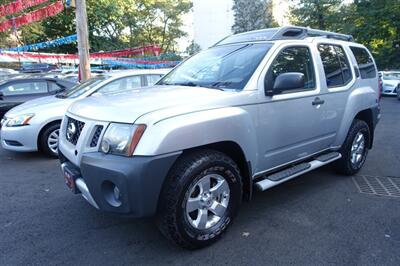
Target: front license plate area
[(70, 177)]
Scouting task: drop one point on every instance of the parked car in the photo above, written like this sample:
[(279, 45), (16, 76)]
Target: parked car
[(16, 91), (257, 109), (7, 71), (37, 68), (35, 124), (390, 82)]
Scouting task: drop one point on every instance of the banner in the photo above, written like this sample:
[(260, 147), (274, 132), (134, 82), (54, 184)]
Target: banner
[(18, 6), (95, 56), (41, 45), (128, 52), (37, 15), (147, 65)]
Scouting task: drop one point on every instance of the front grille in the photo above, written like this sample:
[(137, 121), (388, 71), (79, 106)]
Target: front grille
[(96, 136), (74, 130)]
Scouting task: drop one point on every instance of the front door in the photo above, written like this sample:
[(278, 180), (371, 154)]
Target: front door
[(291, 122)]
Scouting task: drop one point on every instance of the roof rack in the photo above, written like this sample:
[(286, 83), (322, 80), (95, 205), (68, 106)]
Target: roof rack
[(293, 32), (283, 33)]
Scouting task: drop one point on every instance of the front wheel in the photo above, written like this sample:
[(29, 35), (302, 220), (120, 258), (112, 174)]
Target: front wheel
[(48, 140), (200, 198), (355, 148)]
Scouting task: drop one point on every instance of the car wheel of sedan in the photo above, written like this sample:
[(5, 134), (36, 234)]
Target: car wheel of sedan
[(200, 199), (355, 148), (48, 140)]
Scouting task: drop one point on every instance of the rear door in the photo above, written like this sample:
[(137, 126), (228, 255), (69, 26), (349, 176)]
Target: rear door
[(15, 93), (337, 78)]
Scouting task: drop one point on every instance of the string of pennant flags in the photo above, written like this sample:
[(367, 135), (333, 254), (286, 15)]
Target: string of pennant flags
[(42, 45), (36, 15), (18, 6)]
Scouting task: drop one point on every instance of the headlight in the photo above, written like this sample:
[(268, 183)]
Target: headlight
[(121, 139), (20, 120)]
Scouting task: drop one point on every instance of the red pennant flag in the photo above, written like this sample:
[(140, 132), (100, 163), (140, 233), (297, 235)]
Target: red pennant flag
[(37, 15), (18, 6)]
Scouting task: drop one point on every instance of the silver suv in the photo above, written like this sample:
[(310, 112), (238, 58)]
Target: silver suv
[(253, 111)]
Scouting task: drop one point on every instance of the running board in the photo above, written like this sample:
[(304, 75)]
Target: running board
[(299, 169)]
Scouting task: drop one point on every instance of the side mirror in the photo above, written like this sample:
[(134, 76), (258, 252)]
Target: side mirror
[(286, 82)]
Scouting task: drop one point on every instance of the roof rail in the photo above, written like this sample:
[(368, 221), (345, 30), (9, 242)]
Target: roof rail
[(294, 32), (283, 33)]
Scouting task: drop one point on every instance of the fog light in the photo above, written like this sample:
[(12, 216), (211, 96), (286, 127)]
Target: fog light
[(111, 193), (105, 146), (117, 193)]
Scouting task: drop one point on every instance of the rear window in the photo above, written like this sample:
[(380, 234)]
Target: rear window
[(365, 62)]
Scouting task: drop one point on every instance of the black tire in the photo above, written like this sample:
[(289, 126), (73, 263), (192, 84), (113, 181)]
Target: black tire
[(191, 167), (344, 165), (43, 140)]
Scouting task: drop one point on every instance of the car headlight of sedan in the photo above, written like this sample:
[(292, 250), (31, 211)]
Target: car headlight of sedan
[(121, 139), (20, 120)]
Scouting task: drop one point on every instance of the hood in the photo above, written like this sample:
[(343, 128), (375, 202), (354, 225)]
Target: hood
[(128, 106), (38, 105), (390, 82)]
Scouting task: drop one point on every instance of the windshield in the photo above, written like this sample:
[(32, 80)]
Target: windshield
[(391, 76), (221, 67), (80, 89)]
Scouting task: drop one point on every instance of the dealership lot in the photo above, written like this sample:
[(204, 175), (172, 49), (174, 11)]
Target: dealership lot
[(319, 218)]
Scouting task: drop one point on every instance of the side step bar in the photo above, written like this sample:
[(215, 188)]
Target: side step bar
[(299, 169)]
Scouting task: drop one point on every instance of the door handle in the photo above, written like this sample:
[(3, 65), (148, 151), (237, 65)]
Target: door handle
[(318, 101)]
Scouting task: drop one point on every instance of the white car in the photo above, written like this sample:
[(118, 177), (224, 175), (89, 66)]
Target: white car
[(34, 125), (390, 82)]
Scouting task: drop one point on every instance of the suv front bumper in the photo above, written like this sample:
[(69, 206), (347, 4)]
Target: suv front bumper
[(125, 185)]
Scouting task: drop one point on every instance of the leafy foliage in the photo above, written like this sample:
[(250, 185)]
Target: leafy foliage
[(252, 15), (374, 23), (113, 24)]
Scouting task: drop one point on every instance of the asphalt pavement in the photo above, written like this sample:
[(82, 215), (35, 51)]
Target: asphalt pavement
[(317, 219)]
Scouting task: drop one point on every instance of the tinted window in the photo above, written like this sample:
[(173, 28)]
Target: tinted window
[(365, 62), (295, 59), (22, 88), (336, 65), (152, 79), (344, 64), (122, 84)]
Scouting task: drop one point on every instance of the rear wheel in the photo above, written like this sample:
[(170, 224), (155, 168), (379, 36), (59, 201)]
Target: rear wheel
[(355, 148), (199, 199), (48, 140)]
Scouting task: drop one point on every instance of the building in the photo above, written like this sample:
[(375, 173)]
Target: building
[(212, 20)]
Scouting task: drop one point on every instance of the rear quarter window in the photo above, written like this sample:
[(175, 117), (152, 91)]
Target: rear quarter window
[(365, 63)]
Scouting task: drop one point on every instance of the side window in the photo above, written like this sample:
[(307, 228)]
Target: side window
[(25, 88), (295, 59), (365, 62), (152, 79), (121, 85), (344, 64), (336, 66), (53, 86)]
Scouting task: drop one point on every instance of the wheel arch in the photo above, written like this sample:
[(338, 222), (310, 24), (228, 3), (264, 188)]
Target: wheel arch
[(44, 127), (236, 153), (368, 117)]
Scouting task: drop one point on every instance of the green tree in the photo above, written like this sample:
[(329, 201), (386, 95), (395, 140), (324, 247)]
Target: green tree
[(193, 48), (376, 24), (113, 24), (252, 15), (320, 14)]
